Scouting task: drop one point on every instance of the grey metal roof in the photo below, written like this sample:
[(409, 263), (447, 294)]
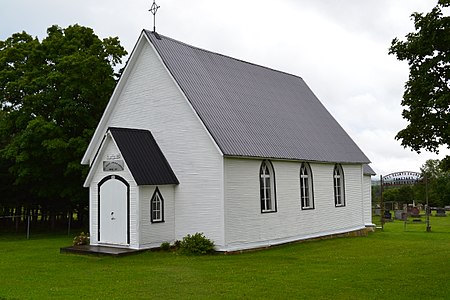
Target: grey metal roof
[(254, 111), (367, 170), (143, 156)]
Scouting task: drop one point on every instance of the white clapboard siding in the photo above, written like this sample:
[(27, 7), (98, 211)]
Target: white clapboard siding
[(153, 234), (151, 100), (247, 227), (367, 194)]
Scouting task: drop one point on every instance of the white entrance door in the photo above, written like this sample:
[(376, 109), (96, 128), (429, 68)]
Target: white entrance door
[(113, 212)]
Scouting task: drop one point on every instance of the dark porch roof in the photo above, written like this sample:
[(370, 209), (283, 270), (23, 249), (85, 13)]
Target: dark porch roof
[(143, 156)]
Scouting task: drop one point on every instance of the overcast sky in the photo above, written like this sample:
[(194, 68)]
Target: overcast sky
[(339, 47)]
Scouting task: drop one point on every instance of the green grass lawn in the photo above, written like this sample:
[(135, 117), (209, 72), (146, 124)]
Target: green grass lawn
[(390, 264)]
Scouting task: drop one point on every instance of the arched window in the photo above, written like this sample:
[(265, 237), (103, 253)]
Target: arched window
[(338, 183), (157, 207), (267, 187), (306, 187)]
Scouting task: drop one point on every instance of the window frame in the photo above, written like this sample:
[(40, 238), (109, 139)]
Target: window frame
[(338, 186), (268, 205), (307, 187), (157, 197)]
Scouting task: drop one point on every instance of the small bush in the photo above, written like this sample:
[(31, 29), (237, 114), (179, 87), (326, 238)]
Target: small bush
[(177, 244), (82, 239), (196, 244), (165, 246)]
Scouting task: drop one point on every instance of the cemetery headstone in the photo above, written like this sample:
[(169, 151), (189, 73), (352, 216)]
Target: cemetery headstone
[(415, 212), (399, 214), (387, 215), (440, 212)]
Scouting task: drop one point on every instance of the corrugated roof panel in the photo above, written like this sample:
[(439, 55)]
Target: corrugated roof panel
[(255, 111), (143, 156), (367, 170)]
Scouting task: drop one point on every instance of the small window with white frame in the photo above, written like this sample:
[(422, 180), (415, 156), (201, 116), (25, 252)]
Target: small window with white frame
[(157, 207), (267, 187), (306, 187), (338, 184)]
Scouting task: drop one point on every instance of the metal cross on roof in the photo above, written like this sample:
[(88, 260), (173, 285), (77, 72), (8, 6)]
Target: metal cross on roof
[(153, 9)]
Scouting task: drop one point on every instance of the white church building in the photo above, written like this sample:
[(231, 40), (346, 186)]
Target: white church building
[(195, 141)]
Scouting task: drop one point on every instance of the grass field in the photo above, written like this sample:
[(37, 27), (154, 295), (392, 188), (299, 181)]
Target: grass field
[(390, 264)]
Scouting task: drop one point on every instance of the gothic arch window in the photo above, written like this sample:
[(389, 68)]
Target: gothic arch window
[(338, 184), (157, 207), (267, 187), (306, 187)]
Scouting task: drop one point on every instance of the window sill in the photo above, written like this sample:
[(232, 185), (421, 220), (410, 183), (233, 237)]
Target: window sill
[(307, 208), (268, 211)]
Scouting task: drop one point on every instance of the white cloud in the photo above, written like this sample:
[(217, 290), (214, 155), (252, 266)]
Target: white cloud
[(340, 48)]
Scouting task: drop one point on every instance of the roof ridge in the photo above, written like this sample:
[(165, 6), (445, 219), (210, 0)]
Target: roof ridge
[(126, 129), (149, 32), (252, 110)]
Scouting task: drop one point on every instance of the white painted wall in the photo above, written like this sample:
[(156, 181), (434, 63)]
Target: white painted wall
[(367, 194), (151, 100), (153, 234), (247, 227)]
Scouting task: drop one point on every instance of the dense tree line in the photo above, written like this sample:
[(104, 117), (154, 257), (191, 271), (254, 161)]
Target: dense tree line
[(52, 95)]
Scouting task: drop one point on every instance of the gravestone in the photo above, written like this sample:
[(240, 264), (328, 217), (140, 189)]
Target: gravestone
[(408, 209), (415, 212), (387, 215), (404, 216), (399, 214), (440, 212)]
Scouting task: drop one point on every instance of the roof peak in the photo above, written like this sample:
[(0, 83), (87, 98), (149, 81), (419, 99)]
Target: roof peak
[(255, 111), (161, 37)]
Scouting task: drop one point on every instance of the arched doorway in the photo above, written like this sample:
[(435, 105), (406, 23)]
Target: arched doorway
[(114, 211)]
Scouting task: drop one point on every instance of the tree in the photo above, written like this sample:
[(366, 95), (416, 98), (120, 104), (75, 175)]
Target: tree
[(391, 195), (427, 91), (52, 95), (437, 181), (401, 194)]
